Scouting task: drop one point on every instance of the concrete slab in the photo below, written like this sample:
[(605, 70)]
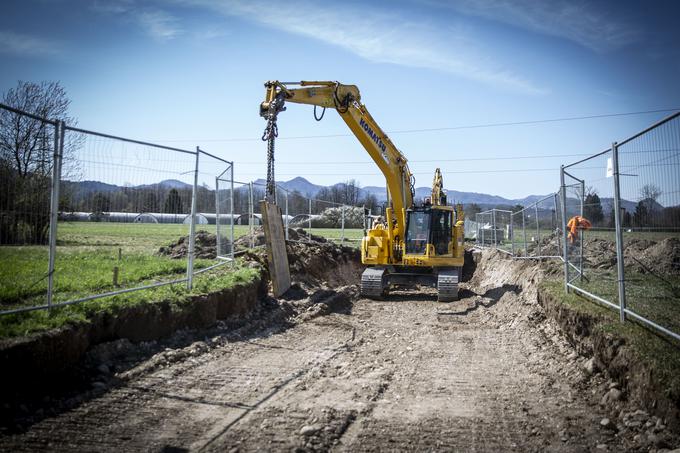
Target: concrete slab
[(276, 247)]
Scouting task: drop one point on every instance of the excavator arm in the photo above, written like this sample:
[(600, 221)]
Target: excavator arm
[(346, 100)]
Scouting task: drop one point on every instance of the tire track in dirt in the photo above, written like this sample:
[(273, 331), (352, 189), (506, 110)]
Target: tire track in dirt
[(480, 374)]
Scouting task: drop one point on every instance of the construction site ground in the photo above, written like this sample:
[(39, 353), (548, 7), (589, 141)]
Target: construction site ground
[(328, 370)]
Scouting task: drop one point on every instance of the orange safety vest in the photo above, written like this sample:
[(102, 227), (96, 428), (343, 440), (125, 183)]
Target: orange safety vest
[(575, 223)]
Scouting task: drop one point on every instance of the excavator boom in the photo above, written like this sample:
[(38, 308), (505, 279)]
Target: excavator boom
[(346, 100)]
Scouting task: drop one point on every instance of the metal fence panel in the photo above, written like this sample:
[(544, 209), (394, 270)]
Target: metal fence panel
[(591, 253), (649, 179), (137, 202), (29, 158)]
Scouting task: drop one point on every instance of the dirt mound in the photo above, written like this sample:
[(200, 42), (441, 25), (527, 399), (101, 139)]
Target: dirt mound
[(257, 238), (313, 260), (205, 245), (661, 257), (640, 255)]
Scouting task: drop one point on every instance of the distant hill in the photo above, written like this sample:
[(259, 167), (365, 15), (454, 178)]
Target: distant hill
[(307, 188), (456, 196), (167, 184)]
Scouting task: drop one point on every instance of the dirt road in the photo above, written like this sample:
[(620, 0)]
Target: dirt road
[(486, 373)]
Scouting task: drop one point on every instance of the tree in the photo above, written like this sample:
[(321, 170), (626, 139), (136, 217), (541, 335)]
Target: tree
[(592, 208), (101, 203), (472, 210), (650, 192), (517, 208), (149, 202), (641, 214), (370, 201), (26, 159), (173, 203)]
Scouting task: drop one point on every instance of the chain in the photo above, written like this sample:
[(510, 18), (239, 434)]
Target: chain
[(271, 131), (269, 135)]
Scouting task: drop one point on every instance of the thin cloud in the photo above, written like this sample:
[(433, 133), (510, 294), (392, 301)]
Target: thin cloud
[(583, 23), (158, 24), (27, 45), (379, 36)]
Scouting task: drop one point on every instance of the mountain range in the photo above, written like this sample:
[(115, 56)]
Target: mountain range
[(307, 188)]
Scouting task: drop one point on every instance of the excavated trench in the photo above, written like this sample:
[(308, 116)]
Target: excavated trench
[(323, 369)]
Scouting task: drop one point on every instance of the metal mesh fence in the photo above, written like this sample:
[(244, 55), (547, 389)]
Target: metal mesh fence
[(124, 216), (649, 181), (85, 215), (630, 258), (591, 251), (28, 146), (536, 229)]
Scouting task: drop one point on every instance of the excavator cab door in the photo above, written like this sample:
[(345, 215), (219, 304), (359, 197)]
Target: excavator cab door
[(440, 235), (417, 231)]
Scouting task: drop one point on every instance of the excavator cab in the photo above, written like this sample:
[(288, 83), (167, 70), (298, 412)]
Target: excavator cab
[(428, 231)]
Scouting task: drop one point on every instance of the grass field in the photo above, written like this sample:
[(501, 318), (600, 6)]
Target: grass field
[(88, 252)]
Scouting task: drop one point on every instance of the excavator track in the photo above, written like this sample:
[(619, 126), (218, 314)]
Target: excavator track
[(372, 282), (447, 284)]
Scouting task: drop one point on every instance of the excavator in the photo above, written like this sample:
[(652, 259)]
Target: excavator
[(413, 244)]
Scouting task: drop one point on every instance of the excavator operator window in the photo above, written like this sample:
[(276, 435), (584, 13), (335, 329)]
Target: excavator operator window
[(417, 232), (441, 231)]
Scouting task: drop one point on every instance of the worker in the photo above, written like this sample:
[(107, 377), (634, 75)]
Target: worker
[(577, 223)]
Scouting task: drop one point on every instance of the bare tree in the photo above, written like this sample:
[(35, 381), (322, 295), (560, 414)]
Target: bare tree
[(650, 192), (26, 159), (26, 144)]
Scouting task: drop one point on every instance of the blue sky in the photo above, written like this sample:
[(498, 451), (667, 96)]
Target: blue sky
[(191, 72)]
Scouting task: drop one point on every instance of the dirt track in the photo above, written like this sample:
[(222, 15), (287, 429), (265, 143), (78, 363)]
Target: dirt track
[(486, 373)]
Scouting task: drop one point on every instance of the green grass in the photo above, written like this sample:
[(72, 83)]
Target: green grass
[(30, 322), (646, 295), (659, 352), (334, 234), (86, 256), (88, 252)]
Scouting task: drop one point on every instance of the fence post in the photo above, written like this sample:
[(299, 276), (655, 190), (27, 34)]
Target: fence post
[(493, 221), (580, 257), (218, 241), (192, 227), (512, 233), (538, 232), (559, 239), (342, 239), (310, 217), (231, 212), (619, 234), (286, 192), (565, 245), (59, 132), (524, 233), (251, 214)]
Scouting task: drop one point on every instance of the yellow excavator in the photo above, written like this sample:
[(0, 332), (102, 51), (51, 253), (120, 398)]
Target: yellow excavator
[(412, 245)]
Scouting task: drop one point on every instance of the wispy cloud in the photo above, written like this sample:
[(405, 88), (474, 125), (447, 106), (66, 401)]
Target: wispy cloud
[(378, 35), (27, 45), (584, 23), (157, 23)]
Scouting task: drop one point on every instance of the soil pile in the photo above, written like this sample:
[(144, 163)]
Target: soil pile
[(640, 255), (206, 246), (313, 260), (661, 257)]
